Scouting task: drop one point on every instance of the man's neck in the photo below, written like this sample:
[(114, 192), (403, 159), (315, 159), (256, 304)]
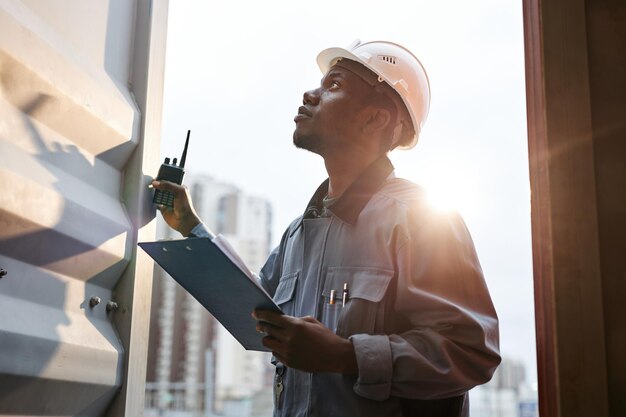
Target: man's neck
[(342, 172)]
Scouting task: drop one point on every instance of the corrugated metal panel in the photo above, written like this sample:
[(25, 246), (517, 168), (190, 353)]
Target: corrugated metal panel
[(68, 126)]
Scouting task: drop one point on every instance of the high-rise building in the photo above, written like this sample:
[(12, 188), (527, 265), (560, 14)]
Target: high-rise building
[(506, 395), (193, 362), (246, 223), (181, 331), (511, 374)]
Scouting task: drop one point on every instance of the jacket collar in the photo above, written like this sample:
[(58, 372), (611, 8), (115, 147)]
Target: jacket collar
[(353, 200)]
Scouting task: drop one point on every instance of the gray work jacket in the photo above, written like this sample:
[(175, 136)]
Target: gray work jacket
[(419, 314)]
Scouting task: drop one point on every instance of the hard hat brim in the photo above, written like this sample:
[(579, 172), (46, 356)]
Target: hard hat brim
[(329, 57)]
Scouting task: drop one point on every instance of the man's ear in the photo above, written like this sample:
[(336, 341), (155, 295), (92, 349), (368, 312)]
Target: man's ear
[(377, 119)]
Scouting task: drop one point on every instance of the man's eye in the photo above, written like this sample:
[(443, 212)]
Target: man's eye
[(335, 84)]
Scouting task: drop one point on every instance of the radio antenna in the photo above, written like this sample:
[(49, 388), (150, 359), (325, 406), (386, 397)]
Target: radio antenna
[(182, 158)]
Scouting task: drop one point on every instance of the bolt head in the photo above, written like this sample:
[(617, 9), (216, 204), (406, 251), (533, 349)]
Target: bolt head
[(94, 301), (111, 306)]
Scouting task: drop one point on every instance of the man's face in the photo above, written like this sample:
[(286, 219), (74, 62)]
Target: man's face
[(327, 121)]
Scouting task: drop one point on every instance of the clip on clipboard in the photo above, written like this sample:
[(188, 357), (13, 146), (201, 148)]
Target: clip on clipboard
[(229, 293)]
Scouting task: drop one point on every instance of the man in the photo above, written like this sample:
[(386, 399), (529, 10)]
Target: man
[(386, 309)]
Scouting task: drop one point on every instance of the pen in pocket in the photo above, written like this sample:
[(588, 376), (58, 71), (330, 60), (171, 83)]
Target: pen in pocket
[(330, 315), (344, 296)]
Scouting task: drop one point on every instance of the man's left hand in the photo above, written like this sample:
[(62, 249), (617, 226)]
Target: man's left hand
[(305, 343)]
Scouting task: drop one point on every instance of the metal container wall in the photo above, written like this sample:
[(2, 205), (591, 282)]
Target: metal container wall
[(80, 104)]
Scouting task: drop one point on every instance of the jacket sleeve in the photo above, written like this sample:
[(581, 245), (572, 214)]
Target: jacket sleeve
[(269, 276), (449, 338)]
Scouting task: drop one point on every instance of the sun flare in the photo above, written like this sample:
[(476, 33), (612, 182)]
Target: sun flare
[(442, 199), (449, 194)]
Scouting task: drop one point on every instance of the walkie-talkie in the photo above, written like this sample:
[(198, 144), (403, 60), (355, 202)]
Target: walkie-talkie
[(172, 173)]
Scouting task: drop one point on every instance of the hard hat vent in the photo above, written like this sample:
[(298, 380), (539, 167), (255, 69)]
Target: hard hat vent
[(388, 58)]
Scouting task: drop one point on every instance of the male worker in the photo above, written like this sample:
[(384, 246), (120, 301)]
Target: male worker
[(386, 309)]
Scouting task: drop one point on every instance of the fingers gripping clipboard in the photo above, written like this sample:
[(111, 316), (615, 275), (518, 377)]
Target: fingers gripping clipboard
[(212, 278)]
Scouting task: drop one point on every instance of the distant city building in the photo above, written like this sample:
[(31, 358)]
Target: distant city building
[(506, 395), (246, 223), (511, 374), (194, 365), (181, 331)]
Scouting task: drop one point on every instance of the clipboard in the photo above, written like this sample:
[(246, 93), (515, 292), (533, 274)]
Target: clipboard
[(226, 291)]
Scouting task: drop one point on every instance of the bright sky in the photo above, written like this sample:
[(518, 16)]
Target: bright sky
[(236, 72)]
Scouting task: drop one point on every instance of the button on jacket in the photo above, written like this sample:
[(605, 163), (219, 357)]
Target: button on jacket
[(419, 314)]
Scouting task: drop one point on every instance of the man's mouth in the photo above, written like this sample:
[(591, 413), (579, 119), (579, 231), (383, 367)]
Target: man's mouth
[(303, 112)]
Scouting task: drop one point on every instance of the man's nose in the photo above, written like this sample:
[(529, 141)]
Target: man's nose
[(311, 97)]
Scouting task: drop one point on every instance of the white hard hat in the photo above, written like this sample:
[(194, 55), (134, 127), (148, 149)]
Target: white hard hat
[(395, 65)]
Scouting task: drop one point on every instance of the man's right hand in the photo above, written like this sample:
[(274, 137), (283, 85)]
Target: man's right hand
[(182, 217)]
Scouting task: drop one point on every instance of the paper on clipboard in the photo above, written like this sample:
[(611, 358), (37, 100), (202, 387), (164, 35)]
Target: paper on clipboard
[(221, 242), (223, 285)]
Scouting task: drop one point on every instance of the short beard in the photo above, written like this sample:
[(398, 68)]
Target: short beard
[(309, 143)]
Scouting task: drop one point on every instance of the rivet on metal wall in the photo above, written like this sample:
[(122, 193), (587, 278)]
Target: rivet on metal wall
[(111, 306), (94, 301)]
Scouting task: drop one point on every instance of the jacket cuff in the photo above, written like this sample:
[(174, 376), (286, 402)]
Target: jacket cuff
[(373, 357), (199, 230)]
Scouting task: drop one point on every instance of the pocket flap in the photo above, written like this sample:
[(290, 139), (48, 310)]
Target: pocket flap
[(366, 283), (286, 288)]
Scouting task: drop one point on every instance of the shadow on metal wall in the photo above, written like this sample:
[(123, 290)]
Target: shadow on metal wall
[(34, 256)]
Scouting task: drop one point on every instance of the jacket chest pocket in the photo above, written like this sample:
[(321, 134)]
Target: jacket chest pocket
[(285, 293), (364, 310)]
